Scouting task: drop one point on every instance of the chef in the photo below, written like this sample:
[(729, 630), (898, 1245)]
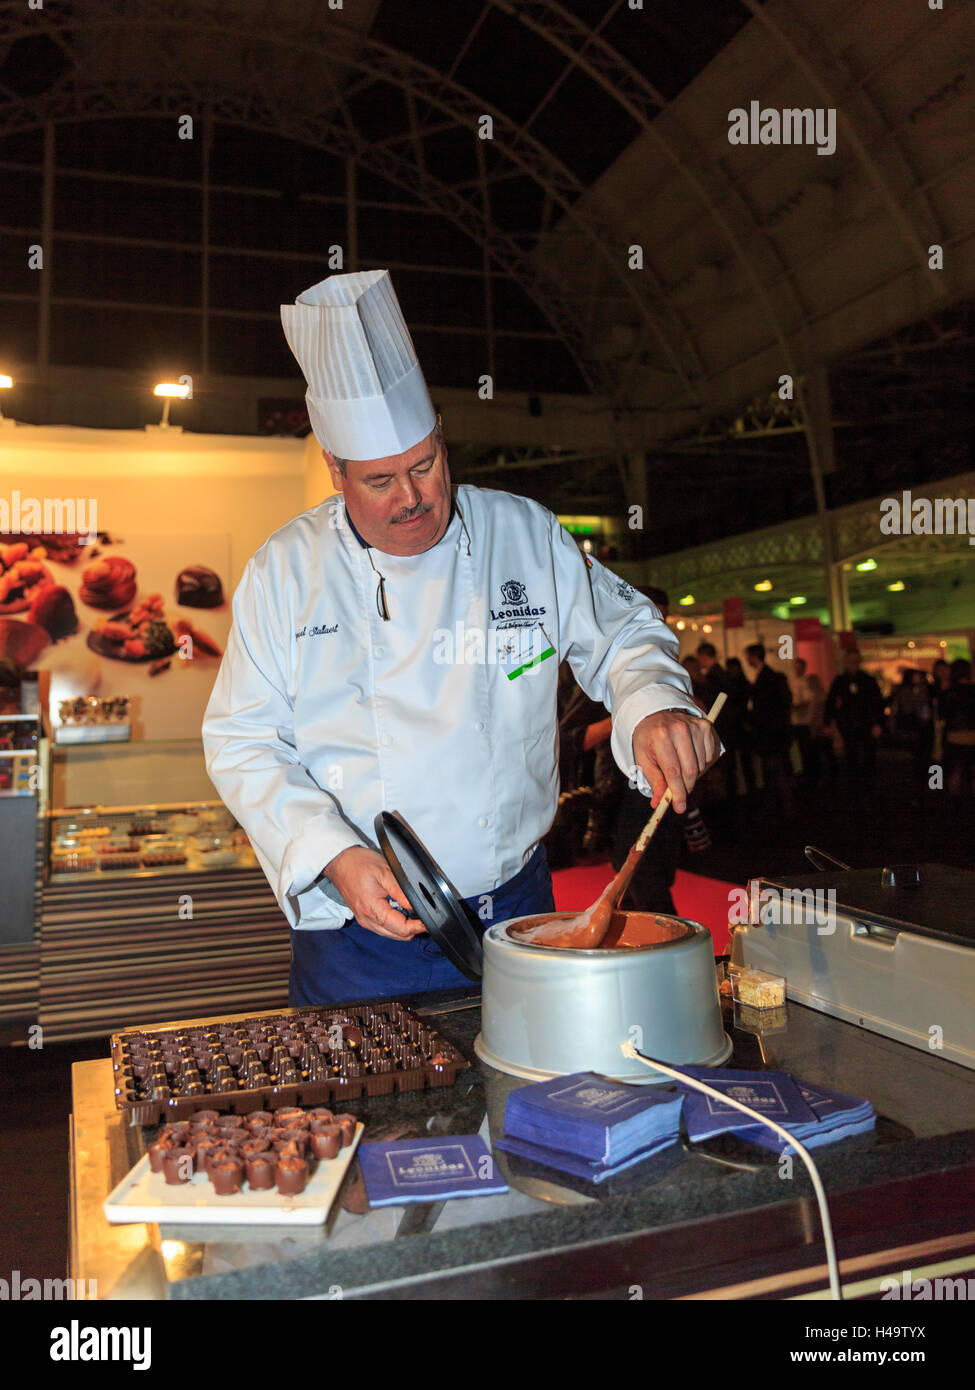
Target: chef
[(397, 647)]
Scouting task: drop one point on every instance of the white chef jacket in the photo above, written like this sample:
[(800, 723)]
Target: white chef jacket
[(324, 714)]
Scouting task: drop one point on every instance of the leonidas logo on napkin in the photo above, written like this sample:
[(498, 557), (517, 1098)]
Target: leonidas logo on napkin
[(416, 1170), (605, 1099), (430, 1166), (773, 1095), (764, 1096)]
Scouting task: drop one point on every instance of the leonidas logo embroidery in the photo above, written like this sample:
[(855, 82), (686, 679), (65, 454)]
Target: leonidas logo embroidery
[(514, 593), (307, 631)]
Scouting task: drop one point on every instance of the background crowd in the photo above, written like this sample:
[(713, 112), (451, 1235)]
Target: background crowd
[(786, 736)]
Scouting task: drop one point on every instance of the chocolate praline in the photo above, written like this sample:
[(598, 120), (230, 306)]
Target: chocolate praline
[(260, 1171), (290, 1115), (53, 609), (326, 1142), (229, 1121), (179, 1165), (251, 1148), (234, 1139), (258, 1118), (225, 1174), (205, 1117), (221, 1154), (291, 1176), (347, 1124), (198, 586), (205, 1148), (158, 1152)]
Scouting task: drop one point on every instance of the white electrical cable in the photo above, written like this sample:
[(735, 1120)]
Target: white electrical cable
[(628, 1050)]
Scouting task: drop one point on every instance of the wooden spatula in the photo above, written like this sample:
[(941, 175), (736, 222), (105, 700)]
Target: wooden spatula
[(586, 932)]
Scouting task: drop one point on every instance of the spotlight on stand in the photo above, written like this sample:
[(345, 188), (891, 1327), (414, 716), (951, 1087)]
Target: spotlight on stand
[(169, 390)]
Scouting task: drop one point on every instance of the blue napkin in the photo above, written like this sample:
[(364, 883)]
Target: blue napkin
[(836, 1116), (425, 1170), (598, 1121), (580, 1167), (773, 1094)]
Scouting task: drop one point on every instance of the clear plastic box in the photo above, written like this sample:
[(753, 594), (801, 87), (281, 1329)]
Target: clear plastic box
[(757, 988)]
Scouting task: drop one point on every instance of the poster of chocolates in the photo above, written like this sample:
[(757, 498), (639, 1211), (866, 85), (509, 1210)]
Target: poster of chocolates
[(143, 616)]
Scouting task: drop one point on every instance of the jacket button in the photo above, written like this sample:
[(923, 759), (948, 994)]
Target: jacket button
[(379, 651), (386, 740), (482, 821), (478, 727)]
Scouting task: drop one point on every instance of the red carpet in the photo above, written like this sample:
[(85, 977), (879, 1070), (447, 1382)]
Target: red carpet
[(703, 900)]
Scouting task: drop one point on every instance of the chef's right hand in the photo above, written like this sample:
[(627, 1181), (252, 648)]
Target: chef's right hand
[(365, 881)]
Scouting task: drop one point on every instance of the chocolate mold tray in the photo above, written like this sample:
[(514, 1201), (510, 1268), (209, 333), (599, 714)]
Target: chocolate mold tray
[(301, 1056)]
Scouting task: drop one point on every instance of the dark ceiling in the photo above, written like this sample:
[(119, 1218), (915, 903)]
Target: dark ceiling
[(161, 262), (284, 200)]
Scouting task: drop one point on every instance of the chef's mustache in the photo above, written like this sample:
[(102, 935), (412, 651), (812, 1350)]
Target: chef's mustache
[(417, 511)]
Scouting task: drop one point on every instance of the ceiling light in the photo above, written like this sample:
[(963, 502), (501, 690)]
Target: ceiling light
[(865, 565), (686, 601), (763, 586)]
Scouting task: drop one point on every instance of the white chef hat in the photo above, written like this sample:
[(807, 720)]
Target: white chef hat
[(366, 394)]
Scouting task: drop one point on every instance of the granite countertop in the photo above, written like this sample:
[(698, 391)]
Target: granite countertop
[(926, 1123)]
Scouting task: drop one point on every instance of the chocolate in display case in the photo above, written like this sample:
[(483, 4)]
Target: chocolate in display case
[(296, 1057), (113, 840), (88, 719)]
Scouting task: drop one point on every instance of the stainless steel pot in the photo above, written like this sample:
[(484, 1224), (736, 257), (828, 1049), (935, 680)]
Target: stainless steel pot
[(549, 1011)]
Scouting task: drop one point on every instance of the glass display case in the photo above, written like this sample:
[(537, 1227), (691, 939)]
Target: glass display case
[(126, 841), (20, 739)]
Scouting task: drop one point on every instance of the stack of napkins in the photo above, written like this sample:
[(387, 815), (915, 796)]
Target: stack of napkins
[(428, 1170), (813, 1114), (589, 1126), (836, 1116), (772, 1094)]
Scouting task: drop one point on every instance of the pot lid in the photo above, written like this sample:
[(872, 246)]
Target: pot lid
[(430, 893)]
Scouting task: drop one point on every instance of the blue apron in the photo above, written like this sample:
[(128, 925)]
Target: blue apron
[(352, 963)]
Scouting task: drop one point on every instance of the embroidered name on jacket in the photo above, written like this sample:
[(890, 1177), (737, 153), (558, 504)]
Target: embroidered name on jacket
[(318, 631)]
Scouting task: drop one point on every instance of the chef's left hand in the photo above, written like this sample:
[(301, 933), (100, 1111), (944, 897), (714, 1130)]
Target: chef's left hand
[(672, 750)]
